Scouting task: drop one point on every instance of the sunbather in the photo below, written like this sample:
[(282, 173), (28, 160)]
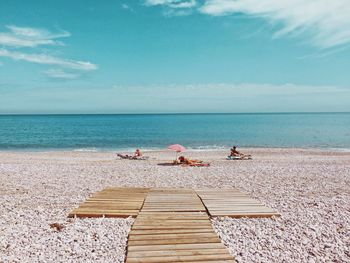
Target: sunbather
[(124, 156), (137, 156), (138, 153), (236, 155), (186, 161)]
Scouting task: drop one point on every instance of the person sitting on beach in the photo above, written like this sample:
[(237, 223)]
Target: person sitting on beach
[(235, 153), (138, 153)]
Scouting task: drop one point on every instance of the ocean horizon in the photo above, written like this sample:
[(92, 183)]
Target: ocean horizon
[(198, 131)]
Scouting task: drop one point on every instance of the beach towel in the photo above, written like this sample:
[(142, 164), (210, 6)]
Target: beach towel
[(129, 157), (238, 157)]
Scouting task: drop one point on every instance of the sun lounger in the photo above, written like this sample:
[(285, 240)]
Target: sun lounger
[(246, 157), (197, 164), (129, 157), (142, 158)]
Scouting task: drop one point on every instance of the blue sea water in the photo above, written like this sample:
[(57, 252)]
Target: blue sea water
[(198, 131)]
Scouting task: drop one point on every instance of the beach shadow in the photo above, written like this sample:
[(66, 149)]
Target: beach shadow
[(167, 164)]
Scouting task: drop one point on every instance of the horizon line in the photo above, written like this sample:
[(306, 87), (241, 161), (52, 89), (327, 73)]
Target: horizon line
[(175, 113)]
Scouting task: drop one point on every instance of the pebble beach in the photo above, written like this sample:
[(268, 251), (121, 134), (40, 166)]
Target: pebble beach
[(309, 187)]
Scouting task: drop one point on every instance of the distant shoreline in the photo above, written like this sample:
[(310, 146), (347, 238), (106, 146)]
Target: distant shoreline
[(160, 150)]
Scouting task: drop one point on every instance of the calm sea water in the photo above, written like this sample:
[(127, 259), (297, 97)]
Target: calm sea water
[(199, 131)]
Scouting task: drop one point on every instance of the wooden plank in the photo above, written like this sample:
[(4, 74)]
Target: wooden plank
[(92, 215), (170, 231), (111, 206), (175, 241), (176, 247), (170, 227), (169, 209), (172, 222), (243, 209), (213, 261), (250, 215), (188, 252), (171, 217), (167, 236), (179, 258), (105, 210), (169, 221), (112, 201)]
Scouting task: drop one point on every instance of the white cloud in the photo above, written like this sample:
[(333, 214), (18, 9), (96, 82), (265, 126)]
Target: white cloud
[(125, 6), (172, 3), (326, 22), (48, 60), (30, 37), (17, 38), (61, 74)]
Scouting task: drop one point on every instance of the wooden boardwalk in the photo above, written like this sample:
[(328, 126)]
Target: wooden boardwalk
[(125, 202), (173, 225), (233, 203), (175, 237), (112, 202), (172, 200)]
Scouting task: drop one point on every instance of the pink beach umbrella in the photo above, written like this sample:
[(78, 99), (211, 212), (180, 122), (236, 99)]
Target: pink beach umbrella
[(177, 148)]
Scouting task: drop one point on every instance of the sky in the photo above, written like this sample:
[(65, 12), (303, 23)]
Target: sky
[(174, 56)]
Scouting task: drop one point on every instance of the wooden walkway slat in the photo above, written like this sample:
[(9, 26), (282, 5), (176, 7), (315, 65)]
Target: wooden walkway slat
[(179, 258), (233, 203), (179, 247), (112, 202), (188, 252)]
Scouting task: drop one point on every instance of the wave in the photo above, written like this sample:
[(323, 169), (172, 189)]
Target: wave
[(86, 150)]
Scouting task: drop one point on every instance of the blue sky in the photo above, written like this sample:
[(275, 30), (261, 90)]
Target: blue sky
[(174, 56)]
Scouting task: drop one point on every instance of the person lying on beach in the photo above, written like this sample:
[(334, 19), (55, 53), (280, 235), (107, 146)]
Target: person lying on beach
[(238, 155), (186, 161), (124, 156), (137, 156)]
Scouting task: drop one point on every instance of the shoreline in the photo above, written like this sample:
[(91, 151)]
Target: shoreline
[(156, 150)]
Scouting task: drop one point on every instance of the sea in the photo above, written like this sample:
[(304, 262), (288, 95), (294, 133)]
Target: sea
[(126, 132)]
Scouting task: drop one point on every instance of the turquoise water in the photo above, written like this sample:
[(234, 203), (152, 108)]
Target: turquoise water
[(199, 131)]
